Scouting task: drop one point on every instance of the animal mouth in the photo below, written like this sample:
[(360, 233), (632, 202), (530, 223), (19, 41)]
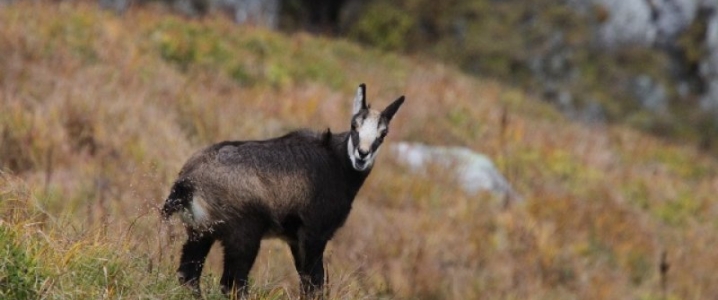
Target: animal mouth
[(360, 164)]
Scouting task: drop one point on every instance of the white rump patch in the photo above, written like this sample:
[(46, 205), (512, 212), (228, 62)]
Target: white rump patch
[(196, 215)]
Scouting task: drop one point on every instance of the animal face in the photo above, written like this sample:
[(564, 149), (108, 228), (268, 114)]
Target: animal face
[(368, 129)]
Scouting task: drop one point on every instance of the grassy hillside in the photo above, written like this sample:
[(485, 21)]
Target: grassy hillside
[(98, 112)]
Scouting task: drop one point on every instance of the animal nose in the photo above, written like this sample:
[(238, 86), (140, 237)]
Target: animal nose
[(362, 154)]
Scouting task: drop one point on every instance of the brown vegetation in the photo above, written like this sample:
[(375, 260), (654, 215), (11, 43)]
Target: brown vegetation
[(98, 112)]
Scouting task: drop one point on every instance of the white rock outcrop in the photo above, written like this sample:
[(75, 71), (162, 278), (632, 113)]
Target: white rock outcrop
[(474, 171)]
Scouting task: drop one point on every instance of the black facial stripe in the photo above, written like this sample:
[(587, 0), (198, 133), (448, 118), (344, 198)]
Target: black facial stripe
[(376, 144), (359, 119), (354, 135)]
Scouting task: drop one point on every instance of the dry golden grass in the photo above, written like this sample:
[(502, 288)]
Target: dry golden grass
[(98, 112)]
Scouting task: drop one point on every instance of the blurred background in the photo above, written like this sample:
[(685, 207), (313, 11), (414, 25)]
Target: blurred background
[(651, 64), (547, 149)]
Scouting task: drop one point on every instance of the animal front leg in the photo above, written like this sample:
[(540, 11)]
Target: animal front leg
[(311, 266), (194, 253), (296, 255)]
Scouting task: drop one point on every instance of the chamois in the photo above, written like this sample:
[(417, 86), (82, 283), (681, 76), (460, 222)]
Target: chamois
[(298, 187)]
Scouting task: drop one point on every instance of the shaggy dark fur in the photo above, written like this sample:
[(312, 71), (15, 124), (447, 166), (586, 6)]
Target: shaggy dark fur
[(298, 187)]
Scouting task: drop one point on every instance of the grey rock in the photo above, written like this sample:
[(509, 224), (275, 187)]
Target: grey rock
[(593, 113), (474, 171), (186, 7), (118, 6), (629, 23), (709, 65), (263, 13), (644, 22), (651, 94), (671, 17), (659, 24)]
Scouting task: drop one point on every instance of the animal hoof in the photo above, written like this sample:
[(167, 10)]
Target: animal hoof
[(192, 284)]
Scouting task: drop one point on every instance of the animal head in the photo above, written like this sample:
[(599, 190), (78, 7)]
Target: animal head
[(368, 129)]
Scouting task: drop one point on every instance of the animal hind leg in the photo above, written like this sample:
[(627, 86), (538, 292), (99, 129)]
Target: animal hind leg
[(194, 253)]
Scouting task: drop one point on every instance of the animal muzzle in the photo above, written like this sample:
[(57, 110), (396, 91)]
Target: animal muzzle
[(362, 159), (362, 154)]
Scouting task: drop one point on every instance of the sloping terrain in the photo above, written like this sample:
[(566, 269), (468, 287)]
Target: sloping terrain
[(98, 112)]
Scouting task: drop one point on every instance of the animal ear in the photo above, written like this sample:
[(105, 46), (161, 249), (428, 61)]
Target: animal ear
[(390, 110), (360, 99)]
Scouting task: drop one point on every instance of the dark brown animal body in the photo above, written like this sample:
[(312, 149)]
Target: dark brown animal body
[(298, 187)]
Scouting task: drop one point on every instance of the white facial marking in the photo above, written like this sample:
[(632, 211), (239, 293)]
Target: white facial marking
[(352, 157), (369, 130)]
